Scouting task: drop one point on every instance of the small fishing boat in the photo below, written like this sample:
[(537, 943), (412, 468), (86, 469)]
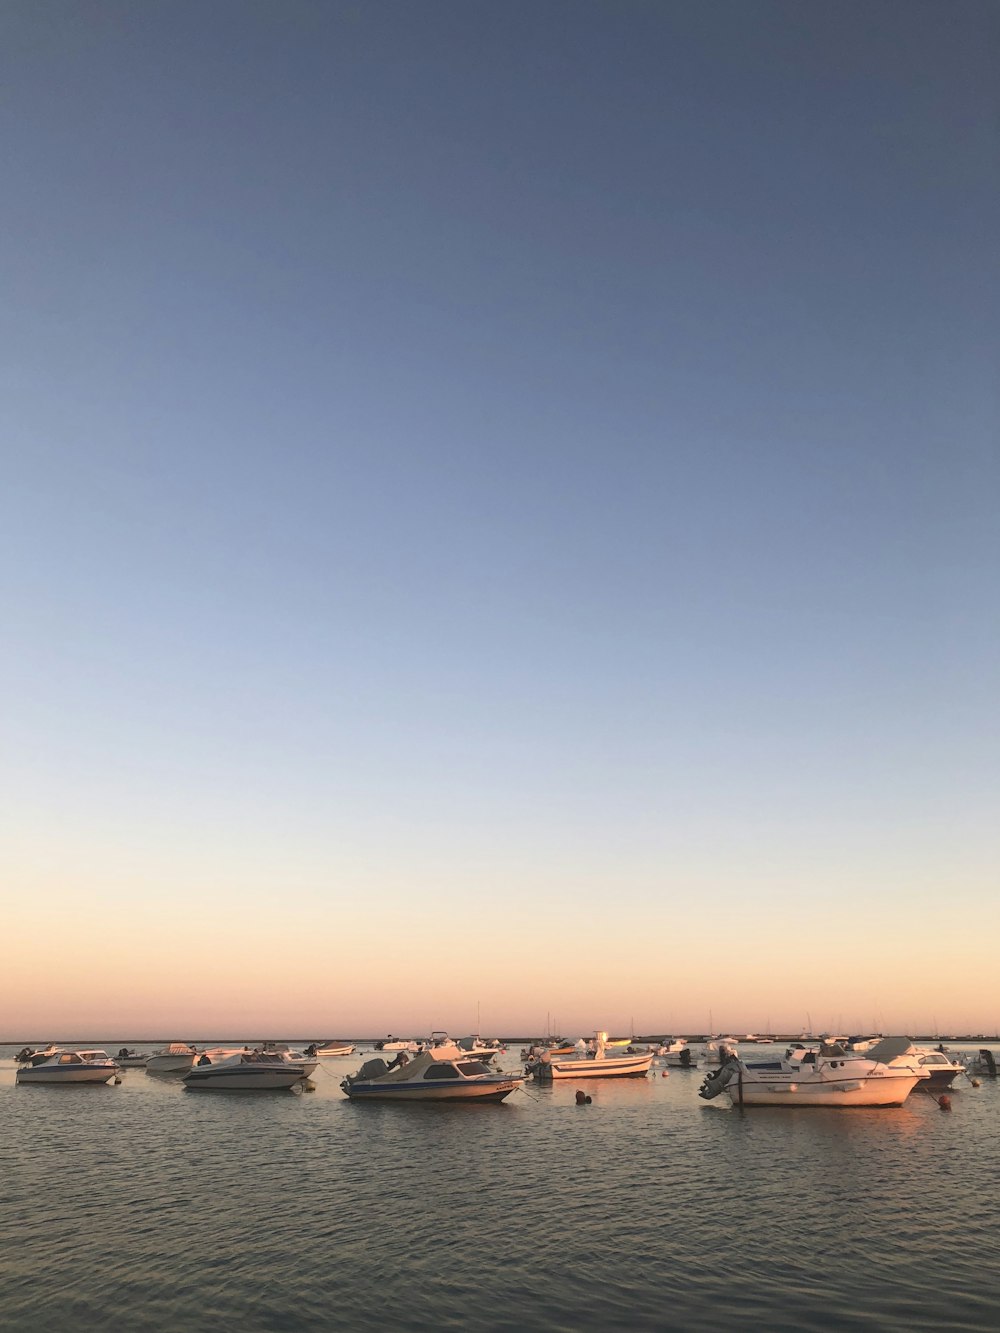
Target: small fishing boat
[(328, 1049), (829, 1076), (429, 1078), (65, 1066), (983, 1064), (677, 1055), (27, 1055), (591, 1064), (245, 1071), (172, 1059), (129, 1059), (303, 1058)]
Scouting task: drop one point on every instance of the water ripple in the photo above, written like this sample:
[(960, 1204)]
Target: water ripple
[(648, 1209)]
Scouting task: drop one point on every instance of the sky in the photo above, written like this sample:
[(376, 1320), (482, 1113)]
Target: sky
[(499, 516)]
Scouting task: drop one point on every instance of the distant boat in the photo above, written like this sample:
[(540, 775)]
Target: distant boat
[(984, 1063), (172, 1059), (129, 1059), (677, 1055), (27, 1056), (290, 1056), (330, 1048)]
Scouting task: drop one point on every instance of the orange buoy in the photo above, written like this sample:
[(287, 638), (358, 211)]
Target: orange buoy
[(944, 1102)]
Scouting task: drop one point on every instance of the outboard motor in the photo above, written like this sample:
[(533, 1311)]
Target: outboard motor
[(686, 1058), (988, 1062), (716, 1083)]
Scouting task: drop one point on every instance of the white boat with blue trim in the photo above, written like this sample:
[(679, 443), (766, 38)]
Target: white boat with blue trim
[(77, 1066)]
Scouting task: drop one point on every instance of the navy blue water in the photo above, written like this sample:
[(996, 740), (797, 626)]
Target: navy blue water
[(155, 1208)]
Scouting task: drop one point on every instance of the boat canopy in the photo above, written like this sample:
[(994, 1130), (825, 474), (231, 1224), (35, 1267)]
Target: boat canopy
[(888, 1049)]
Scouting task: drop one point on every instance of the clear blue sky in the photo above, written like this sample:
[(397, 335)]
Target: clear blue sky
[(477, 464)]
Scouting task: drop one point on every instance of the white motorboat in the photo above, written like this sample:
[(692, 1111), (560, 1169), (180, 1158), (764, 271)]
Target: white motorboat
[(479, 1048), (303, 1058), (244, 1071), (677, 1054), (938, 1068), (83, 1066), (429, 1077), (392, 1043), (129, 1059), (983, 1064), (173, 1059), (829, 1076), (328, 1049), (591, 1064), (27, 1056), (720, 1049)]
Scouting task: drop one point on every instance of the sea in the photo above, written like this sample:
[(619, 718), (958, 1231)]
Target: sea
[(144, 1207)]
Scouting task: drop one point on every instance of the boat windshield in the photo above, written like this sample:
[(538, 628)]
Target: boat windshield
[(470, 1067)]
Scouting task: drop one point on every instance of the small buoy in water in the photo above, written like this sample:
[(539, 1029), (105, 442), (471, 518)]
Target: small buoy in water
[(944, 1102), (588, 1101), (974, 1082), (581, 1098), (665, 1073)]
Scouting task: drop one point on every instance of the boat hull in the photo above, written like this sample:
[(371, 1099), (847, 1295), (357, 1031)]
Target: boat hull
[(873, 1091), (432, 1092), (74, 1074), (267, 1080), (636, 1066)]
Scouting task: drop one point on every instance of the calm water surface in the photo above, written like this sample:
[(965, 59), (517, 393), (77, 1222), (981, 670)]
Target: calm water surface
[(148, 1207)]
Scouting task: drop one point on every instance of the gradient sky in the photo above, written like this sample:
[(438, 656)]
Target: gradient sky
[(500, 507)]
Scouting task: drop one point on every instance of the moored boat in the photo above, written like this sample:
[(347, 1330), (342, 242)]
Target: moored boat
[(830, 1076), (66, 1066), (429, 1077), (327, 1049), (175, 1058), (677, 1055), (129, 1059), (290, 1056), (595, 1064), (244, 1071), (983, 1064), (28, 1056)]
